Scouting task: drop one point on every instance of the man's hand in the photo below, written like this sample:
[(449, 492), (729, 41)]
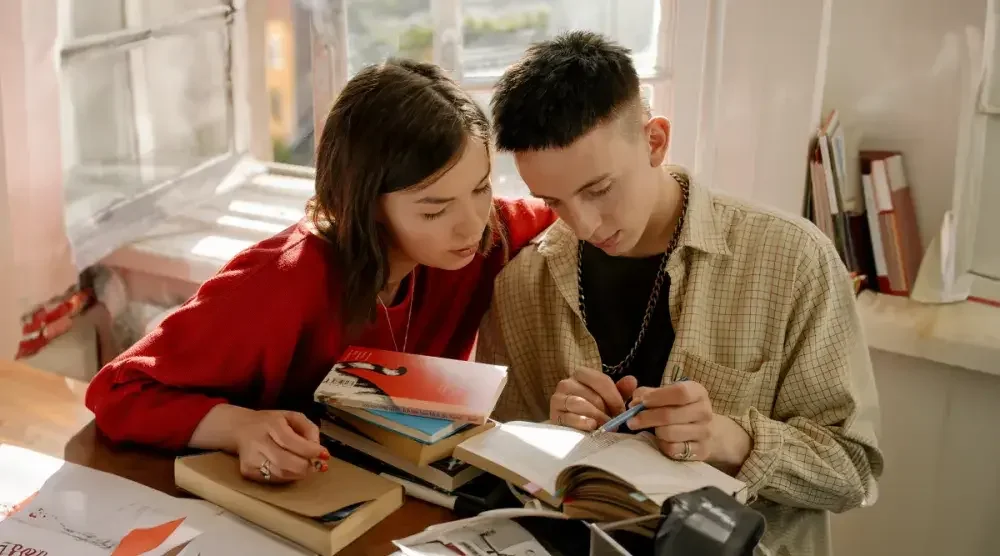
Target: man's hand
[(589, 399), (686, 428)]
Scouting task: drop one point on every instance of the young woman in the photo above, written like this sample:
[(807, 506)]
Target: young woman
[(399, 251)]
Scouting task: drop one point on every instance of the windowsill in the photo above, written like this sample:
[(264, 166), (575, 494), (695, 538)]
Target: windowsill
[(965, 334), (193, 246)]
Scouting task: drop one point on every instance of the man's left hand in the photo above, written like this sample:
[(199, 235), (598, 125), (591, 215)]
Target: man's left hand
[(686, 428)]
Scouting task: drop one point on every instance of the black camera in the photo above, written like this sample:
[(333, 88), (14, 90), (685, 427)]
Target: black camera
[(710, 522)]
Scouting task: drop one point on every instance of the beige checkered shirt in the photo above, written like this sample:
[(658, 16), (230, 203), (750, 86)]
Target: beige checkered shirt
[(764, 316)]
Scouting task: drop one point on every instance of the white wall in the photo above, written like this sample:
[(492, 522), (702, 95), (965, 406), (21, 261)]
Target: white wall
[(940, 493), (893, 73), (746, 100)]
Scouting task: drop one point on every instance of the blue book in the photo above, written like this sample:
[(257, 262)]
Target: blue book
[(426, 430)]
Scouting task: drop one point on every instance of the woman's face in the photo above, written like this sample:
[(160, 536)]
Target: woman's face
[(441, 225)]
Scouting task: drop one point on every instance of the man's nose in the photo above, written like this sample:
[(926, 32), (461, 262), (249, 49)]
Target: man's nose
[(582, 220)]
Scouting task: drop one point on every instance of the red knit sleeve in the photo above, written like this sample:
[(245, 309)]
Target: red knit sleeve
[(522, 220), (230, 343)]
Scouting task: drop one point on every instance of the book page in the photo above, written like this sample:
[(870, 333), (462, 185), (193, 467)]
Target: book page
[(537, 451), (636, 460)]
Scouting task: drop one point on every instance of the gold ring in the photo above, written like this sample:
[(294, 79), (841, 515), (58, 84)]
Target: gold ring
[(566, 403)]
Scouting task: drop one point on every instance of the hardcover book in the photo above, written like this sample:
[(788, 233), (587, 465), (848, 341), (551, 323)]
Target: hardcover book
[(413, 384)]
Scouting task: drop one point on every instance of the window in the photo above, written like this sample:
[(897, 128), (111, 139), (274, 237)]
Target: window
[(478, 39), (964, 261), (275, 40), (148, 112), (276, 106)]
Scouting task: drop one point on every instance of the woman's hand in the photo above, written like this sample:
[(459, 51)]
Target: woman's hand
[(589, 399), (273, 446)]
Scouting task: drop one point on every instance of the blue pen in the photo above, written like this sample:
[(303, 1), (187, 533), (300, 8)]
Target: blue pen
[(620, 420)]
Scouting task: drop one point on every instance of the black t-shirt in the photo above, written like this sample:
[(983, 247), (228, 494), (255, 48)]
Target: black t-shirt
[(616, 292)]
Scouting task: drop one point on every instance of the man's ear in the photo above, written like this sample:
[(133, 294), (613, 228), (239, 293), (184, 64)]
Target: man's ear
[(658, 138)]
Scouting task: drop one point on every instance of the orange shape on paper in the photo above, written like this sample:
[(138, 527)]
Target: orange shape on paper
[(139, 541)]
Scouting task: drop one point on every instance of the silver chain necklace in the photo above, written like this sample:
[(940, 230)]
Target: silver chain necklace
[(409, 313), (654, 296)]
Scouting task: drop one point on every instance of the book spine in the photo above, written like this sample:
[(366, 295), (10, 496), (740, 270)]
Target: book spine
[(418, 411)]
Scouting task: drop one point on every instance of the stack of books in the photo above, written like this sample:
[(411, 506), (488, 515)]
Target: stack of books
[(861, 200), (394, 421), (408, 412)]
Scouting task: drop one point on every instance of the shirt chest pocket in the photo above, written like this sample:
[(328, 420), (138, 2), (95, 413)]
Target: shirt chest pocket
[(732, 391)]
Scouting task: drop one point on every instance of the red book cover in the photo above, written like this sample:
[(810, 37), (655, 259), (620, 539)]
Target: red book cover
[(413, 384)]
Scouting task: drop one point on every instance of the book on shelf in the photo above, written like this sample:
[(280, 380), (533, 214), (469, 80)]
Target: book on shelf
[(323, 512), (835, 202), (421, 385), (892, 220), (446, 473), (610, 476)]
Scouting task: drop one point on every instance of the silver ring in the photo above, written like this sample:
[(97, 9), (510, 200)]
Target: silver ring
[(566, 403), (265, 470), (686, 455)]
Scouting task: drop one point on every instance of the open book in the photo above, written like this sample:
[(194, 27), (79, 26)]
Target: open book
[(609, 476)]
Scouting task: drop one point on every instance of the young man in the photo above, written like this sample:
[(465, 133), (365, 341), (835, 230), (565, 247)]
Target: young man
[(649, 277)]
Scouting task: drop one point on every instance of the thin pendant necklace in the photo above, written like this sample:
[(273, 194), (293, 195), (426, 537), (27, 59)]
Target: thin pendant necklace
[(409, 313)]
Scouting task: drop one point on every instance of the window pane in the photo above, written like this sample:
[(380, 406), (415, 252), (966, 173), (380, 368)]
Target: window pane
[(288, 73), (496, 32), (986, 253), (94, 17), (136, 118), (378, 29)]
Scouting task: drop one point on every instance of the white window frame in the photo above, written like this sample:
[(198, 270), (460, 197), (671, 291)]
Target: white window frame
[(962, 258), (127, 220), (32, 55)]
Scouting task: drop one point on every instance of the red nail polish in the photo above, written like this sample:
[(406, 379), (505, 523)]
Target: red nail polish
[(324, 456), (323, 468)]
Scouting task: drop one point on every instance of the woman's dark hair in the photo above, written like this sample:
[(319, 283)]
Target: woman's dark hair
[(397, 125)]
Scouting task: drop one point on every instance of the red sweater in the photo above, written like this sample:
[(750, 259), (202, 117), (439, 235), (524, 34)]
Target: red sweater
[(264, 331)]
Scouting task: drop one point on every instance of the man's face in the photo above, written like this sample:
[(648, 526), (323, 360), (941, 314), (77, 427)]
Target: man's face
[(603, 185)]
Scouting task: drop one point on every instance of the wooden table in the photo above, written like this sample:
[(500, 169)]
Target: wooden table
[(44, 412)]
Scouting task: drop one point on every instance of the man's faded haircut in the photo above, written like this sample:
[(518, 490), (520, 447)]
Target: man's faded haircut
[(561, 89)]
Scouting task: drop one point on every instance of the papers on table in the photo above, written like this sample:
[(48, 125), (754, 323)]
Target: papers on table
[(53, 507)]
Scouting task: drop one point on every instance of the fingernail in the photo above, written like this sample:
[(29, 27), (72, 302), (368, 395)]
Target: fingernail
[(591, 423), (324, 468), (631, 423), (324, 456)]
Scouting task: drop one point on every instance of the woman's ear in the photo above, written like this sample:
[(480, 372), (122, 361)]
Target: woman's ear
[(658, 138)]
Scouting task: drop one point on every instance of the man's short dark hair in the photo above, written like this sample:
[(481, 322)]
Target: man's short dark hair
[(561, 89)]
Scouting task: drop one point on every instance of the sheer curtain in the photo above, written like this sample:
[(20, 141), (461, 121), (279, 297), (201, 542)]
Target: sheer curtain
[(34, 250)]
